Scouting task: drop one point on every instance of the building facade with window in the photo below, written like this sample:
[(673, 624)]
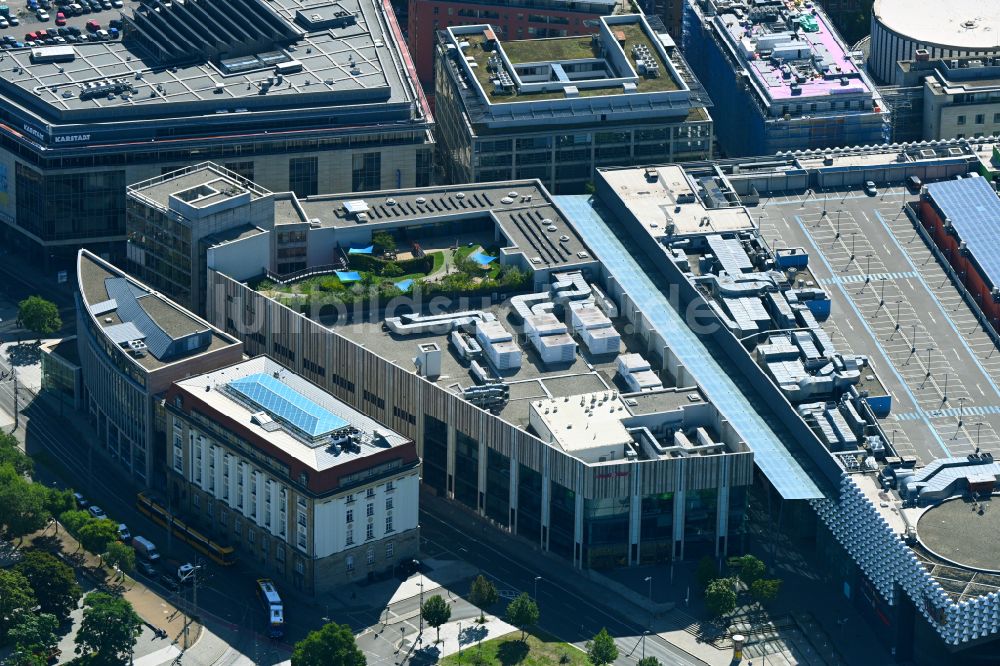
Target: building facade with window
[(305, 487), (295, 100), (785, 76), (556, 109), (133, 343)]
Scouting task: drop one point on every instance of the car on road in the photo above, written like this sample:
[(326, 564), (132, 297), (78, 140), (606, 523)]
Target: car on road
[(185, 572), (81, 501), (123, 532), (146, 568), (97, 512), (870, 188)]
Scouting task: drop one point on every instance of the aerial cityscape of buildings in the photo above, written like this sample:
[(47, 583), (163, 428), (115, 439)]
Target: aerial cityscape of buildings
[(625, 287)]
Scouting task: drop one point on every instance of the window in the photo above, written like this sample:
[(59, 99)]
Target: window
[(350, 499), (349, 536), (370, 556), (366, 172), (178, 454), (196, 500), (279, 553), (389, 549), (349, 561), (369, 532), (388, 504), (244, 169), (960, 120), (300, 567), (980, 118), (996, 117), (237, 527), (303, 176), (350, 515), (370, 492), (425, 167), (250, 536), (370, 510), (388, 523), (389, 487)]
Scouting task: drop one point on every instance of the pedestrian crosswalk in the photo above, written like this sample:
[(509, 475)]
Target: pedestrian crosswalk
[(954, 412), (874, 277)]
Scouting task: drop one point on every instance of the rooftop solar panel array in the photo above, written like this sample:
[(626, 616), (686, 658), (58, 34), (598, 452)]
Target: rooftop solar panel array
[(286, 404), (974, 211)]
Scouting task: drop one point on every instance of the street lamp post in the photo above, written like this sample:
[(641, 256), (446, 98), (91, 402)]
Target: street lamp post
[(537, 578), (644, 634)]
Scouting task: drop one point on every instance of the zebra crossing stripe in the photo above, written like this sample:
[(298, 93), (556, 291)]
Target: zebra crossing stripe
[(874, 277), (972, 410)]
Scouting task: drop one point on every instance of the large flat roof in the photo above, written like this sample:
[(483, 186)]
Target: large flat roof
[(792, 53), (299, 406), (973, 208), (771, 455), (967, 25), (296, 64), (523, 209)]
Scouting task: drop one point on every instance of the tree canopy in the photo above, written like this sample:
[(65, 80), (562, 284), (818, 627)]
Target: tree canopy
[(720, 596), (522, 612), (482, 594), (748, 568), (54, 583), (120, 555), (436, 612), (10, 452), (39, 316), (23, 504), (601, 649), (35, 632), (97, 533), (764, 590), (333, 645), (16, 598), (109, 628)]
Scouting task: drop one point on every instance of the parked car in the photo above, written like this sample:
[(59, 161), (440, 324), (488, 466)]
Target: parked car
[(42, 15), (144, 549), (96, 511), (81, 501), (123, 533), (146, 568), (60, 18), (870, 188), (93, 26)]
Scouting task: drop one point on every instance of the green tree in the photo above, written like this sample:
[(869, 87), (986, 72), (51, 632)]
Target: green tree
[(649, 661), (54, 583), (522, 612), (748, 568), (24, 658), (10, 452), (16, 599), (35, 632), (392, 269), (74, 521), (109, 628), (436, 612), (121, 555), (707, 571), (333, 645), (764, 590), (59, 501), (383, 242), (720, 596), (22, 503), (97, 534), (482, 594), (39, 316), (602, 649)]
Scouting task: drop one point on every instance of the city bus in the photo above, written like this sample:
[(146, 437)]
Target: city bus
[(222, 555), (274, 612)]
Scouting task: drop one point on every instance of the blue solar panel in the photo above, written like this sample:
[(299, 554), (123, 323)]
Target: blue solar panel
[(974, 211), (770, 455), (283, 403)]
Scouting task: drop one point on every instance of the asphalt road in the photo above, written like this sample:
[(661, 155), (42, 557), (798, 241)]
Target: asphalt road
[(563, 613)]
